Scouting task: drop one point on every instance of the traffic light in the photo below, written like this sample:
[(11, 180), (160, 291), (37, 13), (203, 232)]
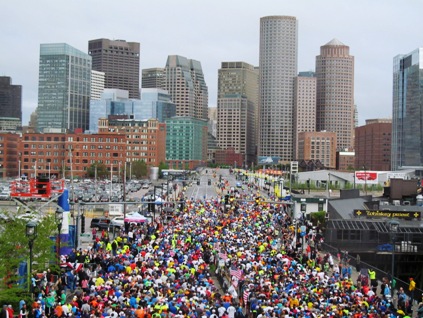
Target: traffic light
[(227, 199), (82, 223), (209, 182), (303, 207), (198, 182)]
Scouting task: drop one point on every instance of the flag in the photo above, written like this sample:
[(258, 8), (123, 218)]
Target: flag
[(223, 256), (245, 296), (236, 272)]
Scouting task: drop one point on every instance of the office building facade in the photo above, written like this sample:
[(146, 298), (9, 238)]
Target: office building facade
[(97, 84), (335, 92), (186, 142), (64, 88), (120, 61), (156, 103), (152, 77), (319, 146), (407, 126), (10, 99), (278, 67), (235, 126), (184, 80), (239, 78), (373, 145), (304, 106), (145, 139)]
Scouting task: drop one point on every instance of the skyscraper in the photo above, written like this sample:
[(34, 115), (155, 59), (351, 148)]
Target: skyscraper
[(335, 92), (63, 88), (10, 99), (120, 61), (304, 106), (184, 80), (237, 108), (278, 67), (407, 113)]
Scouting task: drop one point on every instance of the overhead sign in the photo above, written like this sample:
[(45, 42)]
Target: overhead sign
[(409, 215), (366, 177)]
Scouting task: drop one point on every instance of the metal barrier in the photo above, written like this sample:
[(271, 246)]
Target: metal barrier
[(379, 273)]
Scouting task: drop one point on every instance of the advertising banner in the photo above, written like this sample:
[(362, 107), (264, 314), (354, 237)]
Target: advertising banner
[(263, 160), (366, 177)]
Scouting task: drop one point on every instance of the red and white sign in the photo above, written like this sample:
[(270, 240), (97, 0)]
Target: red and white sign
[(369, 177)]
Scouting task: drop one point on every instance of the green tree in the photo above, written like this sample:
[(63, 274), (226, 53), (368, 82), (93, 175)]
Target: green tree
[(139, 169), (15, 249), (102, 172)]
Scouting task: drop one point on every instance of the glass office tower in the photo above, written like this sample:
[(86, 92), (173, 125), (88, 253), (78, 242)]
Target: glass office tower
[(64, 88), (407, 111)]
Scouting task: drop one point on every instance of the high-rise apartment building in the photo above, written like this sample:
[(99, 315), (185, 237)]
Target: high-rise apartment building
[(278, 67), (184, 80), (64, 88), (373, 145), (152, 77), (10, 99), (407, 116), (304, 106), (237, 108), (97, 84), (120, 61), (335, 92)]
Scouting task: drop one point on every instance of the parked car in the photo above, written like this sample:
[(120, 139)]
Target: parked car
[(100, 223), (117, 221), (4, 195)]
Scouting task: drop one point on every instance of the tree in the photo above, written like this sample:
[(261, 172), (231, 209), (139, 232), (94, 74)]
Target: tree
[(139, 169), (102, 172), (15, 250)]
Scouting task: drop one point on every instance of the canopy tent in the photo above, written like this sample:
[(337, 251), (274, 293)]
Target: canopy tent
[(135, 218)]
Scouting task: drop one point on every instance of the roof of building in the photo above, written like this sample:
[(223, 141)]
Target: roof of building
[(334, 42)]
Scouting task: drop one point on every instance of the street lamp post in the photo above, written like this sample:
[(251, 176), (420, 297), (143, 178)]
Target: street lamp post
[(393, 230), (31, 234), (59, 221)]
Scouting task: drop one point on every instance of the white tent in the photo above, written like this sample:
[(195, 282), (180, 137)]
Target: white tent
[(135, 218)]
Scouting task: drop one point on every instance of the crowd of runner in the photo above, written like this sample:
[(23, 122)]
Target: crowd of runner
[(216, 261)]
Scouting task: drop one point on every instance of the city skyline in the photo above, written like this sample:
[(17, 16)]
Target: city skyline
[(213, 35)]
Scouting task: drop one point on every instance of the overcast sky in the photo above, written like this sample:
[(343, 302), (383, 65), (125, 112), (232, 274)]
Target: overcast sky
[(212, 32)]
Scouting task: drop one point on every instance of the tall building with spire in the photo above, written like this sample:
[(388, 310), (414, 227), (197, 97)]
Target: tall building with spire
[(278, 68), (64, 88), (184, 80), (120, 61), (335, 93)]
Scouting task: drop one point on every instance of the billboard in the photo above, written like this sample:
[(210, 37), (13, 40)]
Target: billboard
[(366, 177), (263, 160)]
